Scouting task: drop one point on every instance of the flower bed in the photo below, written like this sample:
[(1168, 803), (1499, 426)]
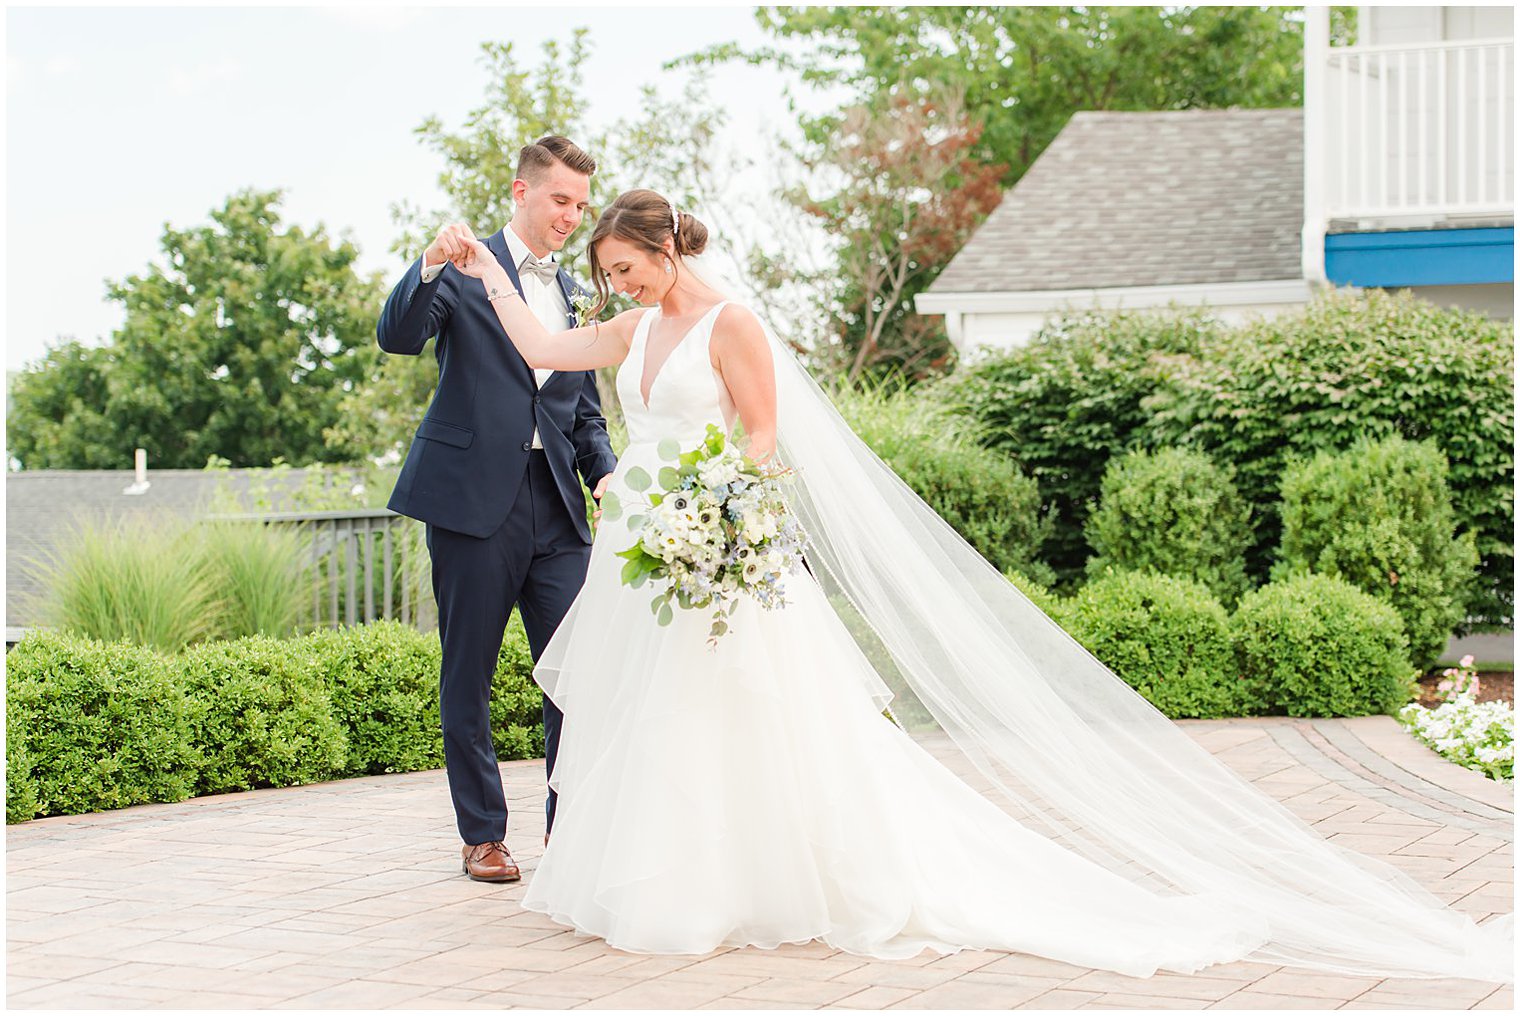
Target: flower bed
[(1475, 735)]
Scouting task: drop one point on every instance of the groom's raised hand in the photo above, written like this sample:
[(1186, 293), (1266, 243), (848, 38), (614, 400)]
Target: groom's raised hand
[(451, 244)]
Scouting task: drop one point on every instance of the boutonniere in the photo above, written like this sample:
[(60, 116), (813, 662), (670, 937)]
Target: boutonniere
[(581, 304)]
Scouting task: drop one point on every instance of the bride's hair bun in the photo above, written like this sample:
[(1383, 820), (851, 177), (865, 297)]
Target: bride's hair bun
[(691, 238), (646, 219)]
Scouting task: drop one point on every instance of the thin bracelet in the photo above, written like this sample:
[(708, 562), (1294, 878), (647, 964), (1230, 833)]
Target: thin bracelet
[(503, 296)]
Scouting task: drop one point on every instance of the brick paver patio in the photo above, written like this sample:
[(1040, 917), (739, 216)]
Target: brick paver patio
[(349, 894)]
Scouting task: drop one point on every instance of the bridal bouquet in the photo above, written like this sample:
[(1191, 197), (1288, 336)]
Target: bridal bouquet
[(717, 528)]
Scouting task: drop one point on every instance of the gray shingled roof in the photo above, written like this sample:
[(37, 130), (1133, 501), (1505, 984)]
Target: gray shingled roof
[(1147, 199), (41, 506)]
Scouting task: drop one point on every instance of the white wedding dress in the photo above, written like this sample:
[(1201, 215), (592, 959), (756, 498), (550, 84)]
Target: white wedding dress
[(754, 794)]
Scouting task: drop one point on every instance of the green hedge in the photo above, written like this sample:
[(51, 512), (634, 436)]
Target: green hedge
[(1167, 637), (1096, 385), (1379, 516), (261, 715), (383, 683), (1176, 512), (1313, 645), (1351, 366), (982, 494), (1038, 593), (1072, 399), (94, 725)]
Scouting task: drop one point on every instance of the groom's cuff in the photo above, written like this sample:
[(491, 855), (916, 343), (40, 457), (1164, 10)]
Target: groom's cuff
[(429, 272)]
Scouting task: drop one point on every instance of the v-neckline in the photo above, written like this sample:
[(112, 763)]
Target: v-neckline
[(644, 393)]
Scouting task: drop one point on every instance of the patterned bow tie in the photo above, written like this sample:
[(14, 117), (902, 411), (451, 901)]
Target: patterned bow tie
[(545, 271)]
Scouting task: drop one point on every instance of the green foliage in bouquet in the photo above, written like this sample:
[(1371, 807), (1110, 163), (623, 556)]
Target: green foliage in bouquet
[(716, 529), (640, 563)]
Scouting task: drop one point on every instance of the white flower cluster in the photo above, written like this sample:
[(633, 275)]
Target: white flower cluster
[(581, 304), (1473, 734), (720, 528)]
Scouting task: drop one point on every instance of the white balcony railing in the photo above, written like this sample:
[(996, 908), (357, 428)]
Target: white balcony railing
[(1417, 130)]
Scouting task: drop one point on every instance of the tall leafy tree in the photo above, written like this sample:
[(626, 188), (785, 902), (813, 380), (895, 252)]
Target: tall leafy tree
[(239, 345), (1024, 70), (908, 195), (669, 145), (1020, 73)]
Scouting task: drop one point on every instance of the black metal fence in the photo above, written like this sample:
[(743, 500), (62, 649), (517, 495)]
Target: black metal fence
[(363, 565)]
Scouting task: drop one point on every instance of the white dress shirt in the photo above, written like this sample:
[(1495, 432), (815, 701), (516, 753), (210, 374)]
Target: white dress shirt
[(545, 299)]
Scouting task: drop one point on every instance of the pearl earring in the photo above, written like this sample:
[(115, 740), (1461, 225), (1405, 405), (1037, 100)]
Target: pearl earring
[(668, 267)]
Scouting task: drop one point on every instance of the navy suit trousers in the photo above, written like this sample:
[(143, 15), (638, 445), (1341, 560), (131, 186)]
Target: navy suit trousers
[(536, 561)]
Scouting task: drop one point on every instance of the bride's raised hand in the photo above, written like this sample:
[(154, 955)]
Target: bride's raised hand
[(475, 260)]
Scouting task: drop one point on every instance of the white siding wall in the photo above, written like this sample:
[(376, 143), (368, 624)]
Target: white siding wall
[(1006, 331), (1399, 26)]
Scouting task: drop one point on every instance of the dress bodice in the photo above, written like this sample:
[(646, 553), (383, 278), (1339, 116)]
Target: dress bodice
[(686, 393)]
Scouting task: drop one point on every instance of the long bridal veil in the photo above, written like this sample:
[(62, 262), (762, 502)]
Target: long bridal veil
[(1077, 753)]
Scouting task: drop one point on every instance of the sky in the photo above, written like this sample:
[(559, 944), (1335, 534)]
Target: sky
[(119, 120)]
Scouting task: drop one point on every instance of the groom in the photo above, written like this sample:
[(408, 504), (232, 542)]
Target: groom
[(492, 473)]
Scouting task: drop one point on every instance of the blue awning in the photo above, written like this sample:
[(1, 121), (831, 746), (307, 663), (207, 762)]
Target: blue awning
[(1421, 257)]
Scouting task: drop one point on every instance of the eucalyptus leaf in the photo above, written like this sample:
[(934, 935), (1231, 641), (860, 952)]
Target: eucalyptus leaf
[(638, 479), (669, 449)]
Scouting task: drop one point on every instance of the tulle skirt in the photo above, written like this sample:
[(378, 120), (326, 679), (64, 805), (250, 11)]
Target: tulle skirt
[(754, 794)]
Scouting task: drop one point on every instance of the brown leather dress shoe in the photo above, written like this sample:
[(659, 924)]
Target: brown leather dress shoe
[(489, 862)]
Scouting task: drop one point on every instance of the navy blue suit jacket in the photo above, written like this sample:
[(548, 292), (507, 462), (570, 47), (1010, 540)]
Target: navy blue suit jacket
[(470, 454)]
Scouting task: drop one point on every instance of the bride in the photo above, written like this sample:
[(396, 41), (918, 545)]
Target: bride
[(755, 794)]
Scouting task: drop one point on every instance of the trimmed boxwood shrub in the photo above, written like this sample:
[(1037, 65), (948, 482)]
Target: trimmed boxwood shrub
[(1351, 365), (1313, 645), (383, 682), (1070, 400), (1038, 594), (261, 715), (92, 726), (20, 785), (982, 494), (1172, 511), (1167, 637), (1379, 516)]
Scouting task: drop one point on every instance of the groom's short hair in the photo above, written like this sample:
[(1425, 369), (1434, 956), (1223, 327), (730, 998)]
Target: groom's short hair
[(542, 154)]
